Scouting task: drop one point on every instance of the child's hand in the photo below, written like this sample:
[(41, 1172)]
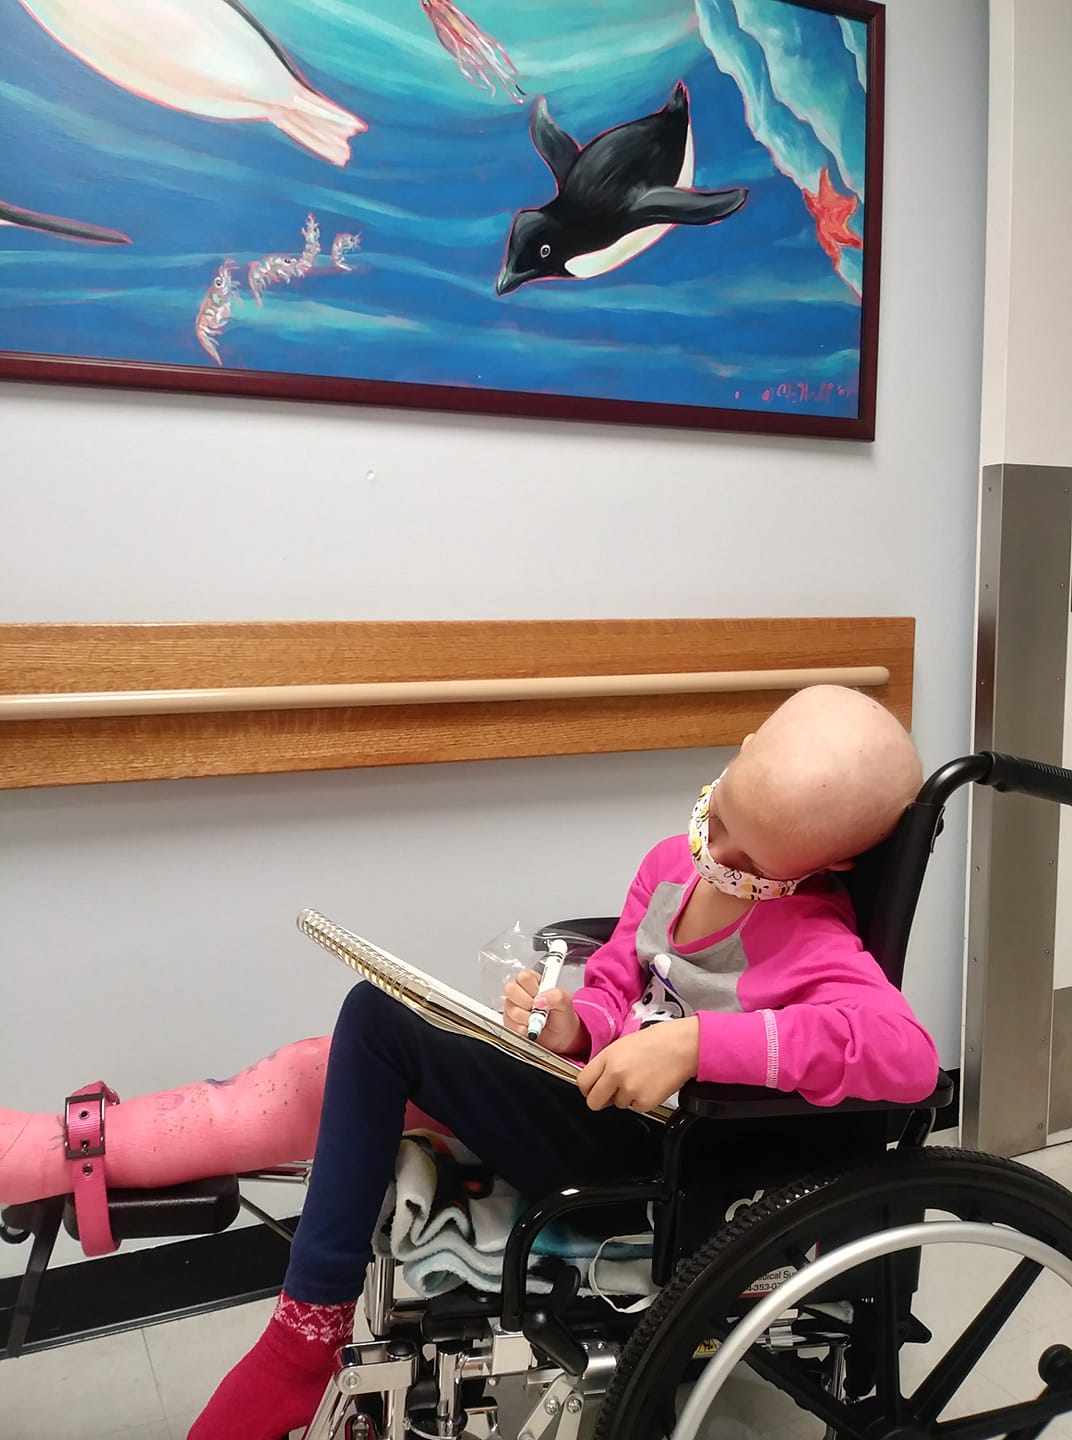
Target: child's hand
[(640, 1071), (562, 1032)]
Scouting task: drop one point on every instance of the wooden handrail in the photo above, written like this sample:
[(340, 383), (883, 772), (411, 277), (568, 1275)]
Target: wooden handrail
[(108, 703), (90, 704)]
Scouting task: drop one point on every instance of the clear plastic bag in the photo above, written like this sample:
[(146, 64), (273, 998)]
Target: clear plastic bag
[(515, 950), (504, 957)]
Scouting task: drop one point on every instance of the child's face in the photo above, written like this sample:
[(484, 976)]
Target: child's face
[(736, 839)]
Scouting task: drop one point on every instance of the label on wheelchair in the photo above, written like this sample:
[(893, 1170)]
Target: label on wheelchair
[(761, 1287), (773, 1278), (766, 1283)]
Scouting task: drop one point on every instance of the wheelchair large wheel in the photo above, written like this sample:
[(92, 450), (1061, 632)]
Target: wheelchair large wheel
[(859, 1358)]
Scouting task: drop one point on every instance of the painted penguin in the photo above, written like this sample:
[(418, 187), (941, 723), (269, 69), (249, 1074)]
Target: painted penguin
[(616, 196), (209, 57), (53, 225)]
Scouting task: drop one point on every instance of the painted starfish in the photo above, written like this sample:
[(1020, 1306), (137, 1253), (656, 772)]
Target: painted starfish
[(830, 211)]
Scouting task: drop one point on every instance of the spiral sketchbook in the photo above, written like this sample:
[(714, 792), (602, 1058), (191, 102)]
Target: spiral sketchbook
[(434, 1001)]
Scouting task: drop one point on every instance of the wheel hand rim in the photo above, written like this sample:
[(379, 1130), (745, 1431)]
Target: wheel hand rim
[(872, 1247)]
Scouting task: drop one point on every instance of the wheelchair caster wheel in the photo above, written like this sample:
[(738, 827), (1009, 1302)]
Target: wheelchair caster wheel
[(13, 1237)]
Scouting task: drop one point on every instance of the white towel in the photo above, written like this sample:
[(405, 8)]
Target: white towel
[(447, 1218)]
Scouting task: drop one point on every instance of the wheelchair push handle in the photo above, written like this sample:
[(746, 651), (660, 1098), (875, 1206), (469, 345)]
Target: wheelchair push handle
[(1029, 777)]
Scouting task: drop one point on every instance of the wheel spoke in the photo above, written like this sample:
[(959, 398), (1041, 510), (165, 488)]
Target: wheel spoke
[(1032, 1433), (888, 1315), (785, 1373), (935, 1392), (1009, 1420)]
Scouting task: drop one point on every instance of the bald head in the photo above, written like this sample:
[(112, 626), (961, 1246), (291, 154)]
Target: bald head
[(823, 780)]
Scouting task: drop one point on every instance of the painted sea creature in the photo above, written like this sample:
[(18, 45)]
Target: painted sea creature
[(481, 59), (616, 196), (831, 211), (342, 247), (273, 269), (215, 309), (270, 270), (311, 248), (208, 57), (55, 225)]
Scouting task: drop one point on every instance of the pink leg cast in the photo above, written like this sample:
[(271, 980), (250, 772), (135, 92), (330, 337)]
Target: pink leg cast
[(266, 1115)]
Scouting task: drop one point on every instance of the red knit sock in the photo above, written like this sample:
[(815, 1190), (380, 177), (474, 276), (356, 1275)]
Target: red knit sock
[(279, 1384)]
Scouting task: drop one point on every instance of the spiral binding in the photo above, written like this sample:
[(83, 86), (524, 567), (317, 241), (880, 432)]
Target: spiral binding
[(419, 992), (368, 960)]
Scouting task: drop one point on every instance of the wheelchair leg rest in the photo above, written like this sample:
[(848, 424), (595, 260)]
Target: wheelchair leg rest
[(386, 1381), (560, 1406), (382, 1368), (329, 1416), (567, 1408), (46, 1227)]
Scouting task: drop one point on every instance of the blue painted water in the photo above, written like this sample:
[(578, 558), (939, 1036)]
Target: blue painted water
[(734, 314)]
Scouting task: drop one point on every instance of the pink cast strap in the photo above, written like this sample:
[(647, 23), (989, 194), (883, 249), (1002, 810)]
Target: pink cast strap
[(83, 1127)]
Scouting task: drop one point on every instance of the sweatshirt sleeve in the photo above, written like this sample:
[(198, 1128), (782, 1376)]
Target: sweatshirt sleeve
[(613, 977), (818, 1014)]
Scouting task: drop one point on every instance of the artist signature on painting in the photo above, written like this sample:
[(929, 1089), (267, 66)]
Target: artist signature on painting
[(800, 392)]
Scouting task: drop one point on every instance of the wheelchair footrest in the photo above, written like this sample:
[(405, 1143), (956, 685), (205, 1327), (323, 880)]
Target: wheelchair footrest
[(200, 1207)]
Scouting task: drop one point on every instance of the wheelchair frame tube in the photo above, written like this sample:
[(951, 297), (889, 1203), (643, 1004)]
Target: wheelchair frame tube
[(553, 1207), (888, 927)]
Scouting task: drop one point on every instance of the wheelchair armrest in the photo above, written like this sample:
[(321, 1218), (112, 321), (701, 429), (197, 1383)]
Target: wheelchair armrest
[(587, 933), (737, 1102)]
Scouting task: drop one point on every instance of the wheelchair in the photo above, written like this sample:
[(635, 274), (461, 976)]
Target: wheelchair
[(787, 1247)]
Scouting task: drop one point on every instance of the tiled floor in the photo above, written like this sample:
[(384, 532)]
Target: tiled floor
[(149, 1384), (144, 1385)]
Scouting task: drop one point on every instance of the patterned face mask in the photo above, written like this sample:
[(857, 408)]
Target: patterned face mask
[(730, 882)]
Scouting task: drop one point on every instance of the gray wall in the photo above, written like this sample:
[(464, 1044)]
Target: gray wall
[(162, 913)]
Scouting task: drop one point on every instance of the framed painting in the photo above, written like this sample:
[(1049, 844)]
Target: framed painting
[(646, 211)]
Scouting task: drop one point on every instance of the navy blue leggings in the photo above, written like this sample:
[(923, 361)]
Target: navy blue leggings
[(531, 1128)]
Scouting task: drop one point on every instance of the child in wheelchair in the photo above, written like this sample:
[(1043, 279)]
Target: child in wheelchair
[(777, 994), (699, 979)]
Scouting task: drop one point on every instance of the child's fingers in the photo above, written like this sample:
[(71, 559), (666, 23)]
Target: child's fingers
[(595, 1084), (515, 1019), (519, 994), (517, 1002), (591, 1073), (527, 980), (552, 1000)]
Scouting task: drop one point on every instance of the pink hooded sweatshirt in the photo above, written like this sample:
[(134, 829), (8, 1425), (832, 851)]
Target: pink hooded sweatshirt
[(786, 996)]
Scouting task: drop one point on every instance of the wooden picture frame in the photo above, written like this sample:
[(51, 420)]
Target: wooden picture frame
[(446, 149)]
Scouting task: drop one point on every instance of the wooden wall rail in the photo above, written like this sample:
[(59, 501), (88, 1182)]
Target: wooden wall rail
[(64, 659), (106, 704)]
